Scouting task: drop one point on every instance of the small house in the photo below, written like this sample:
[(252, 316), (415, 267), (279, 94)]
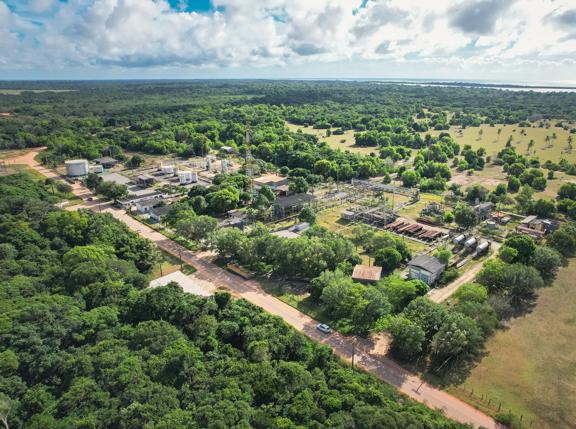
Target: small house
[(366, 274), (106, 161), (271, 180), (157, 213), (483, 210), (145, 180), (544, 226), (426, 268), (146, 206)]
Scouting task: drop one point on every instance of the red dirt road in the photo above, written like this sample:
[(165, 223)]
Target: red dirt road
[(343, 346)]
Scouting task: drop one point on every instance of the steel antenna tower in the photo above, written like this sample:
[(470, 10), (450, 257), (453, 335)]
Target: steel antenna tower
[(249, 165)]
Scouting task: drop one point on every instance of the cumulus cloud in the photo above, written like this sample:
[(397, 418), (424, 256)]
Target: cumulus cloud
[(478, 17), (255, 33)]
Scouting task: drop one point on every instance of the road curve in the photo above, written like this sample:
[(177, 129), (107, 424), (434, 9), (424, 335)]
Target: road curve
[(343, 346)]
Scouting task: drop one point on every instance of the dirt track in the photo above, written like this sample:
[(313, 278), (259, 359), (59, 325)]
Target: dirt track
[(343, 346)]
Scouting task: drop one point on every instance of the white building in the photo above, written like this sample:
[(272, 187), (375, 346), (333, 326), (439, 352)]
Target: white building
[(186, 176)]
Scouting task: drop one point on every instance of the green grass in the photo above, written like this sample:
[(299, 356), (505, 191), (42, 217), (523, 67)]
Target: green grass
[(170, 264), (493, 143), (344, 141), (412, 211), (531, 367), (298, 299)]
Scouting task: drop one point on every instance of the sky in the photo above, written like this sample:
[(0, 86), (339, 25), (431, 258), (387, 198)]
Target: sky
[(524, 41)]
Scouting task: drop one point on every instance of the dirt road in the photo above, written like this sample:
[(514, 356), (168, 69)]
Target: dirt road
[(440, 295), (343, 346)]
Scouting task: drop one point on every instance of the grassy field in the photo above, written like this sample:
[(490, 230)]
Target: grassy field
[(493, 143), (531, 367), (335, 141), (492, 175)]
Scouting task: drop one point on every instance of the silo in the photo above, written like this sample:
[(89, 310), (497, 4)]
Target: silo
[(76, 167)]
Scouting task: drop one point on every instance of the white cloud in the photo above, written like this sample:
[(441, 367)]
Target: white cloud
[(465, 35)]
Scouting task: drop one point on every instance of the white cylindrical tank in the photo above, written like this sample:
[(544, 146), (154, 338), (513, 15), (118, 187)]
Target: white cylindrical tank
[(470, 242), (223, 166), (459, 239), (76, 167), (482, 247)]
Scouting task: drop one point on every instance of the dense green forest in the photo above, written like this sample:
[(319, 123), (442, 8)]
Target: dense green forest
[(89, 119), (84, 343)]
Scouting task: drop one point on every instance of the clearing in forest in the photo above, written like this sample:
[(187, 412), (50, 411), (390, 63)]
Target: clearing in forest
[(554, 148), (344, 141)]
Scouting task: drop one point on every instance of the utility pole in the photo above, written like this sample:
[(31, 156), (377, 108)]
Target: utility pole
[(353, 352), (180, 255)]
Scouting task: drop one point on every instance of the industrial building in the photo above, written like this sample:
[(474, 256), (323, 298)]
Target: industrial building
[(426, 268), (145, 180), (106, 161)]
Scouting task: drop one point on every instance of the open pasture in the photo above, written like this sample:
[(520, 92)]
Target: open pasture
[(553, 149), (344, 141), (530, 367)]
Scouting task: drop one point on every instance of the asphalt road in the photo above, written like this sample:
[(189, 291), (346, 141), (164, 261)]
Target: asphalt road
[(343, 346)]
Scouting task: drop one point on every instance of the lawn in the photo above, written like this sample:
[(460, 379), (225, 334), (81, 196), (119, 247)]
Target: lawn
[(344, 141), (169, 264), (296, 297), (531, 367), (493, 143)]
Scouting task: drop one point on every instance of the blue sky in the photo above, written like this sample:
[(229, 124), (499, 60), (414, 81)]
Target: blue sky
[(498, 40)]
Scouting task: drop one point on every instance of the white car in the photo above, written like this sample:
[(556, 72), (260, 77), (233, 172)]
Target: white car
[(325, 329)]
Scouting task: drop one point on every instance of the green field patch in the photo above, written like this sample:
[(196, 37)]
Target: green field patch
[(169, 264), (530, 367), (344, 141), (553, 150)]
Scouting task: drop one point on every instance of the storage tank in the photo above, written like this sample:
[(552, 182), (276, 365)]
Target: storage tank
[(76, 167), (470, 242), (459, 239), (483, 246)]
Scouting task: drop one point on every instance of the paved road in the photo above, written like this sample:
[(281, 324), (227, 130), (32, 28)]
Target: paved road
[(440, 295), (343, 346)]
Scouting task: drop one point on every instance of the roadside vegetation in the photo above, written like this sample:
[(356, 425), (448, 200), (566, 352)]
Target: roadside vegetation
[(84, 343)]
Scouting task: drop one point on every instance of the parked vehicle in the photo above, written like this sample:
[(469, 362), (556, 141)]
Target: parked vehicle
[(325, 329)]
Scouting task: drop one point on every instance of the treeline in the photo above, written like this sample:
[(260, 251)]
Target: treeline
[(83, 343)]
